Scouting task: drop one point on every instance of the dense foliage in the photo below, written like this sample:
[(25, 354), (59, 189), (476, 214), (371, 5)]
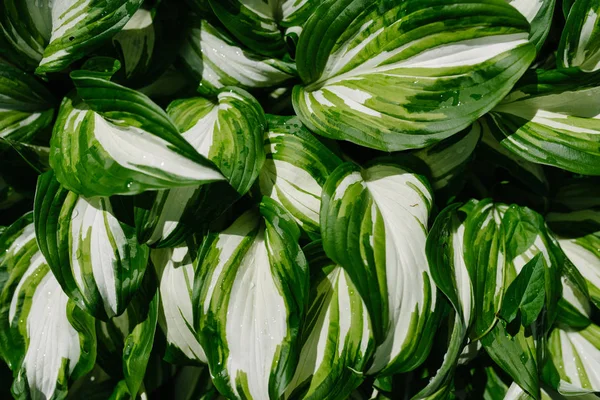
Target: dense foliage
[(300, 199)]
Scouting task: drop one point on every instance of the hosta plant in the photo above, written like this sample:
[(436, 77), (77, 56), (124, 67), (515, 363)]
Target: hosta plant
[(300, 199)]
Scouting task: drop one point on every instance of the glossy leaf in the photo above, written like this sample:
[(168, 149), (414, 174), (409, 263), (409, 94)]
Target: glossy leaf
[(396, 76), (295, 170), (26, 106), (229, 133), (250, 296), (338, 340), (553, 118), (580, 41), (94, 255), (176, 274), (103, 147), (539, 14), (50, 35), (215, 60), (374, 224), (257, 23), (44, 337)]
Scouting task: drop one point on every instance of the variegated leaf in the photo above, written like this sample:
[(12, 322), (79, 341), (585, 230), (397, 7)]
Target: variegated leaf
[(103, 147), (228, 132), (580, 41), (50, 35), (216, 61), (250, 296), (135, 42), (581, 244), (175, 274), (446, 249), (44, 337), (553, 118), (337, 340), (26, 106), (447, 159), (94, 255), (576, 357), (404, 75), (125, 342), (539, 14), (296, 169), (257, 23), (374, 224)]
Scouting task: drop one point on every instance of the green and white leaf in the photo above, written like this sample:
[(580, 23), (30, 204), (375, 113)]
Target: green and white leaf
[(175, 274), (576, 357), (582, 249), (448, 159), (135, 42), (228, 132), (44, 337), (580, 41), (257, 23), (338, 339), (539, 13), (26, 106), (215, 60), (374, 224), (295, 170), (95, 257), (552, 118), (102, 147), (125, 342), (405, 75), (50, 35), (250, 296), (446, 249)]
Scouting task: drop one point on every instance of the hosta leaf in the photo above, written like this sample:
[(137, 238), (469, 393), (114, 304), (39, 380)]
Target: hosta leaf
[(229, 132), (578, 194), (403, 75), (94, 255), (103, 147), (576, 357), (216, 61), (447, 159), (581, 248), (374, 225), (26, 106), (257, 23), (580, 41), (50, 35), (44, 337), (250, 295), (446, 256), (296, 169), (175, 274), (338, 339), (552, 118), (539, 14), (136, 42), (125, 342)]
